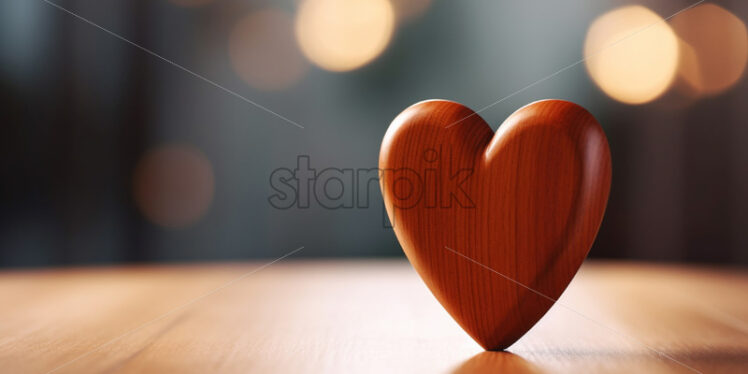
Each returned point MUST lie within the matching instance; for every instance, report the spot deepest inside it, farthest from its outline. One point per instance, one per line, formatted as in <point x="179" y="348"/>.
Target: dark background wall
<point x="80" y="109"/>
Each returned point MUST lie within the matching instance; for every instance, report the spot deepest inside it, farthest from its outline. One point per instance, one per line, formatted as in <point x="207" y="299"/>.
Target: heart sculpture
<point x="495" y="224"/>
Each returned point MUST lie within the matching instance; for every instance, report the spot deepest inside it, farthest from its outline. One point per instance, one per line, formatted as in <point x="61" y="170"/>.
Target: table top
<point x="359" y="316"/>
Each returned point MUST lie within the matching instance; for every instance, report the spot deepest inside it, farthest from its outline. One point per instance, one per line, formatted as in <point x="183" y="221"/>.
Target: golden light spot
<point x="263" y="51"/>
<point x="342" y="35"/>
<point x="406" y="10"/>
<point x="631" y="54"/>
<point x="715" y="45"/>
<point x="173" y="185"/>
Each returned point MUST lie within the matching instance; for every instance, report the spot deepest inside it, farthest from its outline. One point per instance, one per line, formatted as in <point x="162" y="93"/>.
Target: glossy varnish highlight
<point x="496" y="224"/>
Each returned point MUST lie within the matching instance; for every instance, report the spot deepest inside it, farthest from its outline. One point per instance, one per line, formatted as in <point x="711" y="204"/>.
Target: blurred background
<point x="110" y="154"/>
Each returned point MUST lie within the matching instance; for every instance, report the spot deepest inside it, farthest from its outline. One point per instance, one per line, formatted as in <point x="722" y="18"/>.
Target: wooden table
<point x="360" y="316"/>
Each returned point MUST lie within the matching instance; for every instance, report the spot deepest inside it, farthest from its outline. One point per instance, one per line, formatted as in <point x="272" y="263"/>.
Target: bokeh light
<point x="632" y="54"/>
<point x="715" y="48"/>
<point x="173" y="185"/>
<point x="342" y="35"/>
<point x="263" y="51"/>
<point x="406" y="10"/>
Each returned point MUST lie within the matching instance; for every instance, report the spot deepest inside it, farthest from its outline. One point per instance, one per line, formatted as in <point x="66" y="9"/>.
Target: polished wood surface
<point x="368" y="316"/>
<point x="525" y="203"/>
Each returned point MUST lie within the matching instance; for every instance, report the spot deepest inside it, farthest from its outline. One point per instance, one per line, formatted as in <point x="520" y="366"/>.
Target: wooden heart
<point x="495" y="224"/>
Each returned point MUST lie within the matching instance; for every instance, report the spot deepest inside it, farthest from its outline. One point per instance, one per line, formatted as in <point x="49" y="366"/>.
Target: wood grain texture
<point x="526" y="202"/>
<point x="361" y="317"/>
